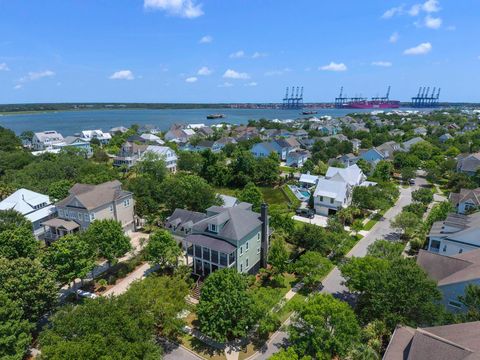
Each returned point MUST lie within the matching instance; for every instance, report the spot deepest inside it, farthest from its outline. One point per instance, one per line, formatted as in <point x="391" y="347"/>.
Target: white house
<point x="164" y="152"/>
<point x="46" y="139"/>
<point x="34" y="206"/>
<point x="335" y="191"/>
<point x="152" y="138"/>
<point x="457" y="234"/>
<point x="307" y="180"/>
<point x="88" y="135"/>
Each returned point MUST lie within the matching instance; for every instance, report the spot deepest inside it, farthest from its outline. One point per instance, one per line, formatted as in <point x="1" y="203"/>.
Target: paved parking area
<point x="318" y="220"/>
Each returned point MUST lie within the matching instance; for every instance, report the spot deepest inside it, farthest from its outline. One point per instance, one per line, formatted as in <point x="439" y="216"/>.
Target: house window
<point x="126" y="202"/>
<point x="444" y="248"/>
<point x="80" y="216"/>
<point x="223" y="259"/>
<point x="60" y="212"/>
<point x="246" y="245"/>
<point x="331" y="200"/>
<point x="92" y="216"/>
<point x="213" y="228"/>
<point x="258" y="237"/>
<point x="198" y="251"/>
<point x="321" y="198"/>
<point x="241" y="250"/>
<point x="111" y="208"/>
<point x="206" y="254"/>
<point x="86" y="217"/>
<point x="241" y="267"/>
<point x="214" y="256"/>
<point x="231" y="258"/>
<point x="246" y="263"/>
<point x="258" y="250"/>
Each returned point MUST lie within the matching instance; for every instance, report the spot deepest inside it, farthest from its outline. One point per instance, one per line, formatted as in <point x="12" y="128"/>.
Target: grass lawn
<point x="273" y="196"/>
<point x="369" y="225"/>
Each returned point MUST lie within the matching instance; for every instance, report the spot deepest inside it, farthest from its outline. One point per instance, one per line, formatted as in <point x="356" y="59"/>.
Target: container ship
<point x="342" y="102"/>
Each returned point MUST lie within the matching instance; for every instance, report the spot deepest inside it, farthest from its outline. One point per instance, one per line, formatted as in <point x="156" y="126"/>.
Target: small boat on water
<point x="309" y="112"/>
<point x="215" y="116"/>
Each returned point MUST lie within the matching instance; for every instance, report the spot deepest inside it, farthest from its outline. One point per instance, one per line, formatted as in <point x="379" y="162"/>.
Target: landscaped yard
<point x="273" y="196"/>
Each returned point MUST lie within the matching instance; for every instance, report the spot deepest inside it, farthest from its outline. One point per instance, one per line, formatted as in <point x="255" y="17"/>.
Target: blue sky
<point x="235" y="50"/>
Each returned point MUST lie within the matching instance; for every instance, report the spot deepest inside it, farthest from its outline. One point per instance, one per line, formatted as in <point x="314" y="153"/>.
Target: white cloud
<point x="423" y="48"/>
<point x="18" y="87"/>
<point x="4" y="67"/>
<point x="183" y="8"/>
<point x="257" y="55"/>
<point x="232" y="74"/>
<point x="226" y="84"/>
<point x="382" y="63"/>
<point x="430" y="6"/>
<point x="122" y="75"/>
<point x="333" y="66"/>
<point x="32" y="76"/>
<point x="394" y="37"/>
<point x="204" y="71"/>
<point x="415" y="10"/>
<point x="238" y="54"/>
<point x="433" y="23"/>
<point x="191" y="79"/>
<point x="277" y="72"/>
<point x="253" y="83"/>
<point x="206" y="39"/>
<point x="392" y="12"/>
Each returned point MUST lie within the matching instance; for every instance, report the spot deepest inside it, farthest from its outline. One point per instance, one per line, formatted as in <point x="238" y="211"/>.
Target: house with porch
<point x="36" y="207"/>
<point x="465" y="201"/>
<point x="76" y="142"/>
<point x="457" y="234"/>
<point x="87" y="203"/>
<point x="234" y="237"/>
<point x="46" y="139"/>
<point x="131" y="152"/>
<point x="89" y="135"/>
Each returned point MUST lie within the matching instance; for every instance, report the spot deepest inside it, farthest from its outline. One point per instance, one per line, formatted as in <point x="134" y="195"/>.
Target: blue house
<point x="372" y="155"/>
<point x="297" y="158"/>
<point x="264" y="149"/>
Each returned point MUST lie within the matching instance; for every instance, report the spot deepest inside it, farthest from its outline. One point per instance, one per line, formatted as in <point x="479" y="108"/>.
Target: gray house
<point x="234" y="237"/>
<point x="468" y="163"/>
<point x="452" y="274"/>
<point x="466" y="200"/>
<point x="87" y="203"/>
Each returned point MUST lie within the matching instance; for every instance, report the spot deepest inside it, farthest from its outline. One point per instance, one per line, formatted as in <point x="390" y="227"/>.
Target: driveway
<point x="333" y="283"/>
<point x="318" y="220"/>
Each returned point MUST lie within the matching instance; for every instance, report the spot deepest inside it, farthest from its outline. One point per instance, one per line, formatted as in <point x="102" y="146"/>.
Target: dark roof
<point x="211" y="243"/>
<point x="464" y="195"/>
<point x="449" y="342"/>
<point x="181" y="216"/>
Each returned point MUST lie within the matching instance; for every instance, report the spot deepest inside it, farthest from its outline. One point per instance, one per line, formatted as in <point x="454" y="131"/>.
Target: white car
<point x="86" y="294"/>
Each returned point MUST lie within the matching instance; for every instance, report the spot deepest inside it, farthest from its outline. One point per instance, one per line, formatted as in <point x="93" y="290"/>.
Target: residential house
<point x="470" y="127"/>
<point x="87" y="203"/>
<point x="407" y="145"/>
<point x="118" y="130"/>
<point x="178" y="134"/>
<point x="457" y="234"/>
<point x="130" y="153"/>
<point x="447" y="342"/>
<point x="445" y="137"/>
<point x="468" y="163"/>
<point x="346" y="159"/>
<point x="301" y="134"/>
<point x="205" y="131"/>
<point x="297" y="158"/>
<point x="466" y="200"/>
<point x="263" y="149"/>
<point x="452" y="274"/>
<point x="420" y="131"/>
<point x="307" y="181"/>
<point x="46" y="139"/>
<point x="76" y="143"/>
<point x="381" y="152"/>
<point x="34" y="206"/>
<point x="234" y="237"/>
<point x="356" y="144"/>
<point x="213" y="146"/>
<point x="152" y="138"/>
<point x="89" y="135"/>
<point x="334" y="192"/>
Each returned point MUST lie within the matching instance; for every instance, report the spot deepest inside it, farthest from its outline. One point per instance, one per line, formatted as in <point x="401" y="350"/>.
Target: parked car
<point x="304" y="212"/>
<point x="411" y="181"/>
<point x="86" y="294"/>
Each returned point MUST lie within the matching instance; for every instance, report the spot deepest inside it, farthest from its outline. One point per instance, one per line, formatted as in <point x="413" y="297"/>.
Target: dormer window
<point x="213" y="228"/>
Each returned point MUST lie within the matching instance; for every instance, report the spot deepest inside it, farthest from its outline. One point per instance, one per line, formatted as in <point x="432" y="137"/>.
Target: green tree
<point x="189" y="192"/>
<point x="407" y="222"/>
<point x="225" y="309"/>
<point x="425" y="196"/>
<point x="151" y="165"/>
<point x="251" y="194"/>
<point x="190" y="161"/>
<point x="364" y="165"/>
<point x="15" y="335"/>
<point x="25" y="281"/>
<point x="471" y="300"/>
<point x="383" y="171"/>
<point x="12" y="219"/>
<point x="59" y="189"/>
<point x="384" y="249"/>
<point x="287" y="354"/>
<point x="278" y="254"/>
<point x="69" y="258"/>
<point x="312" y="267"/>
<point x="267" y="170"/>
<point x="162" y="249"/>
<point x="408" y="173"/>
<point x="324" y="328"/>
<point x="18" y="242"/>
<point x="398" y="291"/>
<point x="108" y="238"/>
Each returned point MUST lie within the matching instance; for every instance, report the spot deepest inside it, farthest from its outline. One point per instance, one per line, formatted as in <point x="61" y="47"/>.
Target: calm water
<point x="71" y="122"/>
